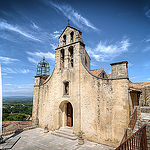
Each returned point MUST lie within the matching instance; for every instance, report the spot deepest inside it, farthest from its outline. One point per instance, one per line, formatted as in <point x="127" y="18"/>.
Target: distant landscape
<point x="17" y="108"/>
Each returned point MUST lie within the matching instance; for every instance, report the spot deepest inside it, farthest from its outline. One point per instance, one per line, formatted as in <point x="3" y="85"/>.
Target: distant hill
<point x="14" y="99"/>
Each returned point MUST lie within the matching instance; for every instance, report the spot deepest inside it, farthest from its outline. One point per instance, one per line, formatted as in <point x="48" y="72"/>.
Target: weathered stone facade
<point x="101" y="105"/>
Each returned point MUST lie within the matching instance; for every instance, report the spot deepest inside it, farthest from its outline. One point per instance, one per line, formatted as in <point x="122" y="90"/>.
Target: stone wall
<point x="106" y="102"/>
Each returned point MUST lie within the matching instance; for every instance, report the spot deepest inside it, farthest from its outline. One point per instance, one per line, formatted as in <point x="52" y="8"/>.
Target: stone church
<point x="91" y="101"/>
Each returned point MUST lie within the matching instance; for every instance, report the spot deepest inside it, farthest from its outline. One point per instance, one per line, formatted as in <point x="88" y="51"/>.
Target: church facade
<point x="90" y="101"/>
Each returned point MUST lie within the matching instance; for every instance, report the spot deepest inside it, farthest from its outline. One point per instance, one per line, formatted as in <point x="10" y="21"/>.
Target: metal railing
<point x="138" y="141"/>
<point x="131" y="125"/>
<point x="133" y="119"/>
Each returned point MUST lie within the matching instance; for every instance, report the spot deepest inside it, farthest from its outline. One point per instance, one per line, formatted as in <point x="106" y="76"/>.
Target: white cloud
<point x="7" y="60"/>
<point x="55" y="35"/>
<point x="147" y="40"/>
<point x="146" y="49"/>
<point x="53" y="45"/>
<point x="6" y="26"/>
<point x="47" y="55"/>
<point x="56" y="32"/>
<point x="8" y="84"/>
<point x="106" y="52"/>
<point x="32" y="60"/>
<point x="25" y="86"/>
<point x="8" y="77"/>
<point x="34" y="25"/>
<point x="73" y="15"/>
<point x="24" y="71"/>
<point x="8" y="70"/>
<point x="132" y="77"/>
<point x="147" y="13"/>
<point x="148" y="78"/>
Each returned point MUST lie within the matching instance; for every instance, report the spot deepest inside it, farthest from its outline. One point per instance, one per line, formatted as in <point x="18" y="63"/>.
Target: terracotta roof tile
<point x="96" y="72"/>
<point x="108" y="75"/>
<point x="138" y="86"/>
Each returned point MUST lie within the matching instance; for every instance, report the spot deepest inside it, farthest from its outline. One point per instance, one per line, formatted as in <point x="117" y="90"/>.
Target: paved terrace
<point x="36" y="139"/>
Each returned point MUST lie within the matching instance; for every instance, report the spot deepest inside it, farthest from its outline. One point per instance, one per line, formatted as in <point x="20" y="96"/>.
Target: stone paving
<point x="36" y="139"/>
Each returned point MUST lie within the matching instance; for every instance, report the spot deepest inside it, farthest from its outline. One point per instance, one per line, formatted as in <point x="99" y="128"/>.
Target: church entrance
<point x="69" y="115"/>
<point x="65" y="114"/>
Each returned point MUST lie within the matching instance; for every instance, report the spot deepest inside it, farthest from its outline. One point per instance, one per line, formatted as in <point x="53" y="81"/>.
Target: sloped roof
<point x="96" y="72"/>
<point x="138" y="86"/>
<point x="108" y="75"/>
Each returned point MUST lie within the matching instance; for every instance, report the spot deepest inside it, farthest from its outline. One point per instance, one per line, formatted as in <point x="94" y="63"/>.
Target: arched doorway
<point x="65" y="114"/>
<point x="69" y="115"/>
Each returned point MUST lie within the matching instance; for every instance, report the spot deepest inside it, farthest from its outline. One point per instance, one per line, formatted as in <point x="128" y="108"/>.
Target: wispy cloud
<point x="146" y="49"/>
<point x="32" y="60"/>
<point x="34" y="57"/>
<point x="25" y="86"/>
<point x="55" y="34"/>
<point x="34" y="26"/>
<point x="8" y="84"/>
<point x="72" y="15"/>
<point x="8" y="77"/>
<point x="107" y="51"/>
<point x="14" y="28"/>
<point x="147" y="13"/>
<point x="47" y="55"/>
<point x="7" y="60"/>
<point x="8" y="70"/>
<point x="24" y="71"/>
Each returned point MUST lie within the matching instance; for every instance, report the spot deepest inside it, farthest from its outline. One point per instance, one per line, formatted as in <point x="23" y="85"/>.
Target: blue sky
<point x="112" y="30"/>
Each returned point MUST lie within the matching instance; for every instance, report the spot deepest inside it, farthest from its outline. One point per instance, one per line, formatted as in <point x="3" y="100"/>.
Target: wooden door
<point x="69" y="115"/>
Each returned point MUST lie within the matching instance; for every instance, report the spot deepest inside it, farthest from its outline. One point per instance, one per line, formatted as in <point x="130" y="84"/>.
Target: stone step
<point x="66" y="133"/>
<point x="66" y="129"/>
<point x="135" y="127"/>
<point x="63" y="132"/>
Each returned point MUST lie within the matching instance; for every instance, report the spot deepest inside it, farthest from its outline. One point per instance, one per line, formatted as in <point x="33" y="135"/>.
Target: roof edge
<point x="122" y="62"/>
<point x="68" y="25"/>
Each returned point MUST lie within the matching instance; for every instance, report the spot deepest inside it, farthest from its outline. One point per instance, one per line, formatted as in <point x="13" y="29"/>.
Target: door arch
<point x="65" y="114"/>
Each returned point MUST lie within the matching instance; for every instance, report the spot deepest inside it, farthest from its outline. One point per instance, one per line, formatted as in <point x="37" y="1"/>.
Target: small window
<point x="66" y="88"/>
<point x="64" y="39"/>
<point x="62" y="57"/>
<point x="72" y="37"/>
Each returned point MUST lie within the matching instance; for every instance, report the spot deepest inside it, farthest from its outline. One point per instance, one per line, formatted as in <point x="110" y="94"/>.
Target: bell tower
<point x="69" y="48"/>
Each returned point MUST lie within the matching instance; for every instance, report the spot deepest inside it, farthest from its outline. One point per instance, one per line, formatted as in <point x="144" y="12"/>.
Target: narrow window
<point x="62" y="57"/>
<point x="71" y="56"/>
<point x="66" y="88"/>
<point x="64" y="39"/>
<point x="72" y="37"/>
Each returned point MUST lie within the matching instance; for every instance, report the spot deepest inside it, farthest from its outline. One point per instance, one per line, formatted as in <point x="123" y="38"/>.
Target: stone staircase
<point x="144" y="118"/>
<point x="66" y="132"/>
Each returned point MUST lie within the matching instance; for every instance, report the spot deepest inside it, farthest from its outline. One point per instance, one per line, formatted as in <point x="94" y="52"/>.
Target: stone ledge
<point x="12" y="132"/>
